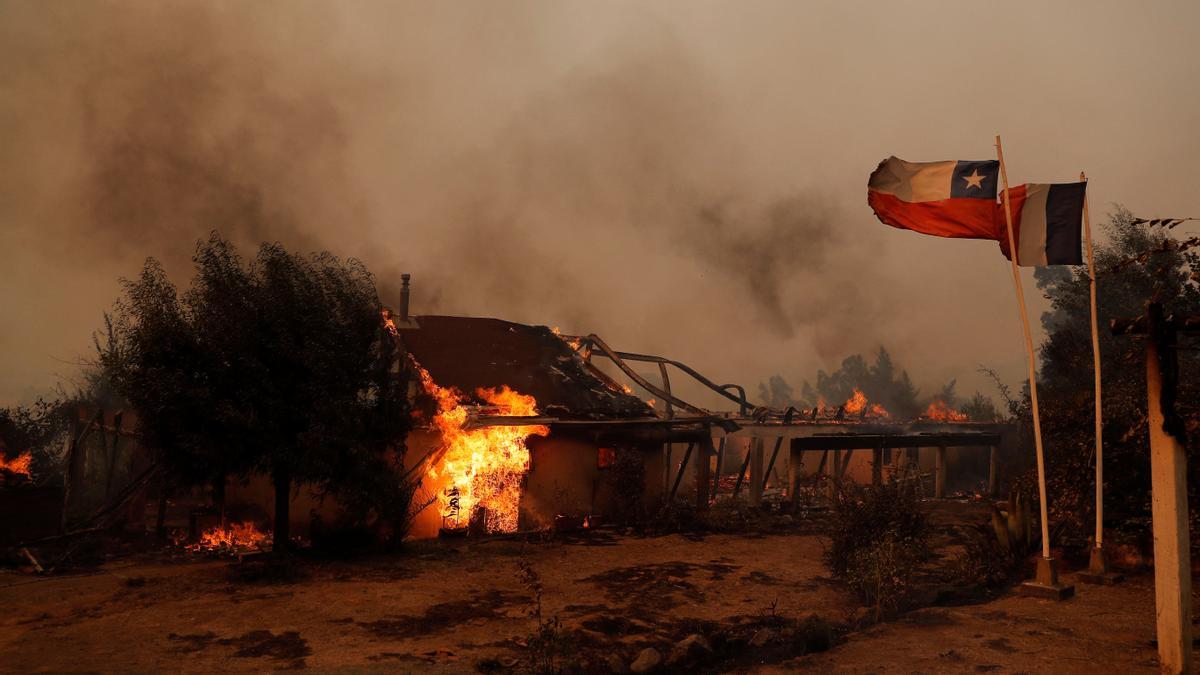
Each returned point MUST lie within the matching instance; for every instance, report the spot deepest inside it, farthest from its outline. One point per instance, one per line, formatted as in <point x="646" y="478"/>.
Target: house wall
<point x="564" y="478"/>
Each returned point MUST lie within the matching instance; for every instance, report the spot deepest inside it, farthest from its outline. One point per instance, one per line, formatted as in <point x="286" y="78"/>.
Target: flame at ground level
<point x="232" y="537"/>
<point x="21" y="465"/>
<point x="481" y="467"/>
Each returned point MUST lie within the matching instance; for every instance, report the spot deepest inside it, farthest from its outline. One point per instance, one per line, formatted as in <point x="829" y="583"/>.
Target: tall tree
<point x="1136" y="264"/>
<point x="280" y="366"/>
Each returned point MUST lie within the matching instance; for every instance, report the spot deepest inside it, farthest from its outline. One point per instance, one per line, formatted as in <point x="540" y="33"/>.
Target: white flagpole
<point x="1087" y="238"/>
<point x="1037" y="423"/>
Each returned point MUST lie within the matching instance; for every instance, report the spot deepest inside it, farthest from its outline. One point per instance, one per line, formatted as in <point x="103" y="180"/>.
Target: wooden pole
<point x="756" y="471"/>
<point x="1169" y="503"/>
<point x="1037" y="422"/>
<point x="1087" y="238"/>
<point x="703" y="478"/>
<point x="716" y="482"/>
<point x="939" y="471"/>
<point x="993" y="465"/>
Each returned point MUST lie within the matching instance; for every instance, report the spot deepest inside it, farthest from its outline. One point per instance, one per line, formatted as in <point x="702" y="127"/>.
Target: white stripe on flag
<point x="1031" y="250"/>
<point x="913" y="181"/>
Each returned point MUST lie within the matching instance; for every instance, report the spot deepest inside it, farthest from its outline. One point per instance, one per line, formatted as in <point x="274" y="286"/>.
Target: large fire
<point x="857" y="404"/>
<point x="481" y="467"/>
<point x="940" y="411"/>
<point x="20" y="466"/>
<point x="232" y="538"/>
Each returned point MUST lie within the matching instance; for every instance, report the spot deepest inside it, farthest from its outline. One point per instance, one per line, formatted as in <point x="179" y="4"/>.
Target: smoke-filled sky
<point x="685" y="178"/>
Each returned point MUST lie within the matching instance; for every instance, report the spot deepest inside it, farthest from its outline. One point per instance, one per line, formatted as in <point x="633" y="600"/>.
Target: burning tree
<point x="281" y="366"/>
<point x="25" y="432"/>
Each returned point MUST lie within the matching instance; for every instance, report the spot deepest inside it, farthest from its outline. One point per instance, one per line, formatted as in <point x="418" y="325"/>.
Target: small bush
<point x="995" y="552"/>
<point x="551" y="648"/>
<point x="878" y="536"/>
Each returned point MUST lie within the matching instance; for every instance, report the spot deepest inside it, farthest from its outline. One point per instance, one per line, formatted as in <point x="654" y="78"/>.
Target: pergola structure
<point x="836" y="435"/>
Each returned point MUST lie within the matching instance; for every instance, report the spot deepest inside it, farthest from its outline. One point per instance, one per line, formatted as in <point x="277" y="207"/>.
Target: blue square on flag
<point x="976" y="180"/>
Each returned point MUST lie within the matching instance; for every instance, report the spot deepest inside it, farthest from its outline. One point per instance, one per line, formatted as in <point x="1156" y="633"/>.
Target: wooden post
<point x="1037" y="421"/>
<point x="993" y="470"/>
<point x="716" y="480"/>
<point x="939" y="472"/>
<point x="1169" y="503"/>
<point x="877" y="466"/>
<point x="756" y="472"/>
<point x="667" y="468"/>
<point x="1098" y="567"/>
<point x="834" y="473"/>
<point x="703" y="471"/>
<point x="795" y="471"/>
<point x="687" y="455"/>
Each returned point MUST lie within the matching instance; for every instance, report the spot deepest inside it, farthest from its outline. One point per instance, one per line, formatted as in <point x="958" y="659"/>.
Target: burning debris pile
<point x="232" y="539"/>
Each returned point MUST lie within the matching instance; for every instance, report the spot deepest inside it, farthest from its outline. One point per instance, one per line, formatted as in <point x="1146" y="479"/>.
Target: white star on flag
<point x="974" y="180"/>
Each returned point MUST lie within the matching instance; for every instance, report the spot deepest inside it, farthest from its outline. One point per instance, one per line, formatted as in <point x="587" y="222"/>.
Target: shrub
<point x="996" y="551"/>
<point x="551" y="650"/>
<point x="878" y="536"/>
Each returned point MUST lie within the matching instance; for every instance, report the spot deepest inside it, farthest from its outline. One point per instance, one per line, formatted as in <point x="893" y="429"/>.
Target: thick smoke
<point x="683" y="180"/>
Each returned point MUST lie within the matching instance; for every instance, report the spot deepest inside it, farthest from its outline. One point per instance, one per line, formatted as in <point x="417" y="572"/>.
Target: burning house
<point x="517" y="427"/>
<point x="522" y="431"/>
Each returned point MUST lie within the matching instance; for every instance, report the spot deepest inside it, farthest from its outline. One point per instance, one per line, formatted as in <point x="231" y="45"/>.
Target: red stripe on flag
<point x="958" y="218"/>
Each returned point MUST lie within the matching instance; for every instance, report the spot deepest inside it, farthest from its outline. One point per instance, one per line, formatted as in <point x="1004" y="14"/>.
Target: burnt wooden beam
<point x="687" y="455"/>
<point x="702" y="473"/>
<point x="716" y="482"/>
<point x="872" y="441"/>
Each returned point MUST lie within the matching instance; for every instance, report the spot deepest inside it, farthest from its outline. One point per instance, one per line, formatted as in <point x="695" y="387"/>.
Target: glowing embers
<point x="17" y="468"/>
<point x="233" y="538"/>
<point x="480" y="469"/>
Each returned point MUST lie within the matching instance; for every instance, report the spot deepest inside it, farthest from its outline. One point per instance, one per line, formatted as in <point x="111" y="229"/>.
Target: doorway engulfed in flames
<point x="482" y="468"/>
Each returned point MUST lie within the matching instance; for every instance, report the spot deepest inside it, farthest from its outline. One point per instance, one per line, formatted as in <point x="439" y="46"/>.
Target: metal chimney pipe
<point x="404" y="296"/>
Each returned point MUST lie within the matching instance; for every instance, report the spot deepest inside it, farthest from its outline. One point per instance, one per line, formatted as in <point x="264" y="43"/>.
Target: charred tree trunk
<point x="283" y="502"/>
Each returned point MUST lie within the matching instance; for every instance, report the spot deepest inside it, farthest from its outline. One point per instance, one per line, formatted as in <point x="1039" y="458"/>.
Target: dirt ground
<point x="460" y="607"/>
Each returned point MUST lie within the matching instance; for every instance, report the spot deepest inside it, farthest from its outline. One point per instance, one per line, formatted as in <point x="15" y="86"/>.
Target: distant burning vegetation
<point x="875" y="391"/>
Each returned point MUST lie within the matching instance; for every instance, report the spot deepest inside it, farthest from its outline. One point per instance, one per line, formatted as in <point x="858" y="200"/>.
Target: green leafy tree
<point x="280" y="366"/>
<point x="1136" y="264"/>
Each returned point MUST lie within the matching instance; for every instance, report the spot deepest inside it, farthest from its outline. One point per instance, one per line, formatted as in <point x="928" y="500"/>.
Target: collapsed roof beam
<point x="586" y="345"/>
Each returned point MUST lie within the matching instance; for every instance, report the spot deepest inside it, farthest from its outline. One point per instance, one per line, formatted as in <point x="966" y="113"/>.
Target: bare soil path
<point x="460" y="607"/>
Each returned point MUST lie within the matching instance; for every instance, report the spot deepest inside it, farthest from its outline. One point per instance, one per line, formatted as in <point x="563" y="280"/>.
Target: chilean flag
<point x="945" y="199"/>
<point x="1047" y="218"/>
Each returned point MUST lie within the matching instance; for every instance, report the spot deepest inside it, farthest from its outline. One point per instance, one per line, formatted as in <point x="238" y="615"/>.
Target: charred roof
<point x="469" y="353"/>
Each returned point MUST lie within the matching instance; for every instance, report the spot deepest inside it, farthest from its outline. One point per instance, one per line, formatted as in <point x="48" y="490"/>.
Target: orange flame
<point x="856" y="403"/>
<point x="484" y="466"/>
<point x="19" y="466"/>
<point x="233" y="537"/>
<point x="938" y="410"/>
